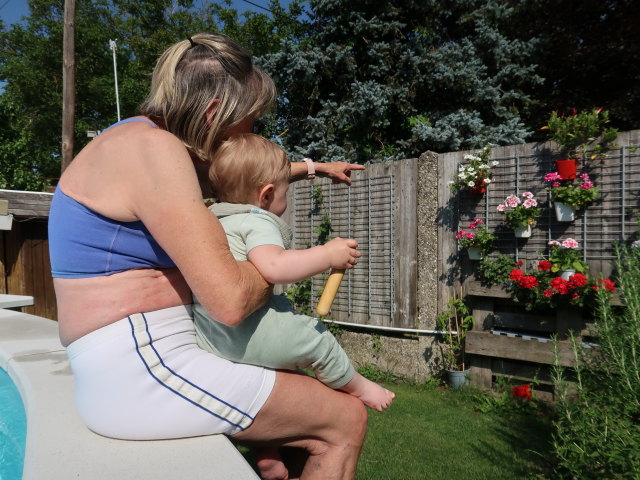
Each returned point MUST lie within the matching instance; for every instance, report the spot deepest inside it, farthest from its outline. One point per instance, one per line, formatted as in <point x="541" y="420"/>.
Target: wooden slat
<point x="500" y="346"/>
<point x="405" y="240"/>
<point x="27" y="204"/>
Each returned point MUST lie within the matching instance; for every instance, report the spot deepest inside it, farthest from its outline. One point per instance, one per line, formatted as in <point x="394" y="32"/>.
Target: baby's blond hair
<point x="244" y="164"/>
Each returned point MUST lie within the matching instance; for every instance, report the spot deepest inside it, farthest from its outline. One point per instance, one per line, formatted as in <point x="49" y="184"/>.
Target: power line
<point x="250" y="3"/>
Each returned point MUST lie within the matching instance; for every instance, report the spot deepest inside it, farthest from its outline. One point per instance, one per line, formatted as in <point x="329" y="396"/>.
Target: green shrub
<point x="597" y="430"/>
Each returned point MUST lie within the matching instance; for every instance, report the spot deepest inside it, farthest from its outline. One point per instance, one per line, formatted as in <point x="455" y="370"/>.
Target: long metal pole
<point x="112" y="45"/>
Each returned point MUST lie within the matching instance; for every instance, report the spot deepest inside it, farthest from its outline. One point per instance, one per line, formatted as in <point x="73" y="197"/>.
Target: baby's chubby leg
<point x="371" y="394"/>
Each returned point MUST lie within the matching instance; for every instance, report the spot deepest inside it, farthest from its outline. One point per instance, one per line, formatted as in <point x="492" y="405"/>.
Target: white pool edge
<point x="58" y="444"/>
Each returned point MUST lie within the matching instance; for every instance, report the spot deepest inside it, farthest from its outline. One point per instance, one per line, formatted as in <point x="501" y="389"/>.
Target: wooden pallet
<point x="507" y="341"/>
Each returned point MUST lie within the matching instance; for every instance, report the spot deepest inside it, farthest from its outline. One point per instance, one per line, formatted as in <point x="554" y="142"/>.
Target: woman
<point x="130" y="240"/>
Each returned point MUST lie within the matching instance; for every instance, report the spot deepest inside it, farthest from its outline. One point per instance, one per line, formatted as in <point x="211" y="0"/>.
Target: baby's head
<point x="243" y="168"/>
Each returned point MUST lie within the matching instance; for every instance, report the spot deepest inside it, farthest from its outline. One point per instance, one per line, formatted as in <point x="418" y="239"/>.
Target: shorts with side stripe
<point x="144" y="377"/>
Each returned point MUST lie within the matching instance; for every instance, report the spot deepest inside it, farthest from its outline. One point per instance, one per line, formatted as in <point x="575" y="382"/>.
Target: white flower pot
<point x="522" y="232"/>
<point x="564" y="212"/>
<point x="474" y="253"/>
<point x="567" y="274"/>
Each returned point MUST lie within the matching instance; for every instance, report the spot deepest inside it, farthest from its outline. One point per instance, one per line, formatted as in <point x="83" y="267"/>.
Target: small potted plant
<point x="476" y="239"/>
<point x="579" y="134"/>
<point x="474" y="175"/>
<point x="520" y="213"/>
<point x="454" y="324"/>
<point x="570" y="195"/>
<point x="565" y="258"/>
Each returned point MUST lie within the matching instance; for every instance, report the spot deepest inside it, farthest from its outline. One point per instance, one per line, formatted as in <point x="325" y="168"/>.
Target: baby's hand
<point x="342" y="252"/>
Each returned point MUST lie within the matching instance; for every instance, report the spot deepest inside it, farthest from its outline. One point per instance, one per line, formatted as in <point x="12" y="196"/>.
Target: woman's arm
<point x="164" y="193"/>
<point x="278" y="265"/>
<point x="339" y="172"/>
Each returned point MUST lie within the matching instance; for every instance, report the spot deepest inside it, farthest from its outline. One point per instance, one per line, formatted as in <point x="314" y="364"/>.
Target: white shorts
<point x="144" y="377"/>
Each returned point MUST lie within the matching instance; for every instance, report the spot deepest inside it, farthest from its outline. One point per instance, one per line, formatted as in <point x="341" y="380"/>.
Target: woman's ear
<point x="265" y="196"/>
<point x="211" y="109"/>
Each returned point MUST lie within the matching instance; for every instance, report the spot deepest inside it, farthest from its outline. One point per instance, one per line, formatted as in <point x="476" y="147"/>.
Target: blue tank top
<point x="83" y="243"/>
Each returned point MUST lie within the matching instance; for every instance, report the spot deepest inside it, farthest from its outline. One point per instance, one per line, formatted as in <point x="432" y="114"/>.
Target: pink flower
<point x="512" y="201"/>
<point x="470" y="235"/>
<point x="475" y="223"/>
<point x="584" y="176"/>
<point x="527" y="195"/>
<point x="554" y="243"/>
<point x="555" y="184"/>
<point x="502" y="207"/>
<point x="461" y="233"/>
<point x="552" y="177"/>
<point x="570" y="243"/>
<point x="530" y="203"/>
<point x="587" y="185"/>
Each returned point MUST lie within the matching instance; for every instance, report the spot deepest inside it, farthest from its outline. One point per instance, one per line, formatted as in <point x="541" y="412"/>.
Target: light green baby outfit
<point x="274" y="336"/>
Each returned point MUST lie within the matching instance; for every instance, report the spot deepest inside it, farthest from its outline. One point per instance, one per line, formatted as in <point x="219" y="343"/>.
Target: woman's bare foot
<point x="371" y="394"/>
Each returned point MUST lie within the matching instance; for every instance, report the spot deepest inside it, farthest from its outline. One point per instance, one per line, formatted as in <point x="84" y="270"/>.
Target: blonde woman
<point x="131" y="241"/>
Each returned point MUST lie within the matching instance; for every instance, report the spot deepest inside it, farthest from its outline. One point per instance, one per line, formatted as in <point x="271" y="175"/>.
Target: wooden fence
<point x="24" y="252"/>
<point x="379" y="211"/>
<point x="507" y="341"/>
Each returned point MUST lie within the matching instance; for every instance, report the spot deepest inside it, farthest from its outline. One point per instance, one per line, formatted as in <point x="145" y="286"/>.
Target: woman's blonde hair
<point x="244" y="164"/>
<point x="192" y="73"/>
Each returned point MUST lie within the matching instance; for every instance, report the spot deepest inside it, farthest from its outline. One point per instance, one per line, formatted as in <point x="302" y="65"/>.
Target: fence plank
<point x="406" y="245"/>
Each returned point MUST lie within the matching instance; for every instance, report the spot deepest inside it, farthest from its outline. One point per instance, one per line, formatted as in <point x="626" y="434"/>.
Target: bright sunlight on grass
<point x="438" y="434"/>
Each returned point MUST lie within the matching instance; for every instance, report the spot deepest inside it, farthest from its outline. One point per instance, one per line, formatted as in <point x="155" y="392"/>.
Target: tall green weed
<point x="597" y="430"/>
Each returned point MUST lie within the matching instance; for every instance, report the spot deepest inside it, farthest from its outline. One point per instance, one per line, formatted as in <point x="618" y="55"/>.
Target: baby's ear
<point x="265" y="197"/>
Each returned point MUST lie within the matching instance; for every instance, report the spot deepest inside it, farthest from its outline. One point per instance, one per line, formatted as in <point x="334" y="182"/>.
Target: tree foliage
<point x="361" y="80"/>
<point x="380" y="80"/>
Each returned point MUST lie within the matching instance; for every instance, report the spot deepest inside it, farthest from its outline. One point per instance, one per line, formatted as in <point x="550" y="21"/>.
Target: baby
<point x="250" y="177"/>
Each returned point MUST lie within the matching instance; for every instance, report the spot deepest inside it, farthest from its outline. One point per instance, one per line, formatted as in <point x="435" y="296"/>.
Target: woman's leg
<point x="302" y="412"/>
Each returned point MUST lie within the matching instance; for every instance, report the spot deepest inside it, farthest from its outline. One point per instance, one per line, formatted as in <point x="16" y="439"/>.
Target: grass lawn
<point x="437" y="434"/>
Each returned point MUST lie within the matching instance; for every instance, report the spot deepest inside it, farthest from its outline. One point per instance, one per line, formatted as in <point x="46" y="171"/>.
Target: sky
<point x="11" y="11"/>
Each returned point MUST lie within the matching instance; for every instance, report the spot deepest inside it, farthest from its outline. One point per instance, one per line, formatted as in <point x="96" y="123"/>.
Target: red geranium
<point x="560" y="285"/>
<point x="544" y="265"/>
<point x="605" y="283"/>
<point x="577" y="280"/>
<point x="521" y="391"/>
<point x="516" y="274"/>
<point x="528" y="281"/>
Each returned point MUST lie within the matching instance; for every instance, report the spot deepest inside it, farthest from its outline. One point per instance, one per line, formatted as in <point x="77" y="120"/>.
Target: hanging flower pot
<point x="567" y="274"/>
<point x="522" y="231"/>
<point x="479" y="188"/>
<point x="564" y="212"/>
<point x="474" y="253"/>
<point x="566" y="168"/>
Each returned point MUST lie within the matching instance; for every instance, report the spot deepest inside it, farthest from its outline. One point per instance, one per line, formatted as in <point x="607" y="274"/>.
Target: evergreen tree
<point x="379" y="80"/>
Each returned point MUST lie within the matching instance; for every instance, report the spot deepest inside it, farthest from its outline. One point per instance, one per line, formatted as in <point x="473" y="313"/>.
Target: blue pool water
<point x="13" y="429"/>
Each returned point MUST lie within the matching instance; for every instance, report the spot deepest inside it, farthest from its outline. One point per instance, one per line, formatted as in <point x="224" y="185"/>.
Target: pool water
<point x="13" y="429"/>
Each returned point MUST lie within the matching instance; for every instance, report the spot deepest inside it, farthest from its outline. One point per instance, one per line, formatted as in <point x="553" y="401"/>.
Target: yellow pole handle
<point x="329" y="292"/>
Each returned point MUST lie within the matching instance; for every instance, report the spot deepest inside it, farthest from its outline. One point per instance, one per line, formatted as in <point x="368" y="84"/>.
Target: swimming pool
<point x="13" y="429"/>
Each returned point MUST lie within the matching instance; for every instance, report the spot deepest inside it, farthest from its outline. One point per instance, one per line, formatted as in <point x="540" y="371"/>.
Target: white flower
<point x="483" y="166"/>
<point x="487" y="181"/>
<point x="462" y="176"/>
<point x="468" y="157"/>
<point x="451" y="182"/>
<point x="494" y="163"/>
<point x="472" y="184"/>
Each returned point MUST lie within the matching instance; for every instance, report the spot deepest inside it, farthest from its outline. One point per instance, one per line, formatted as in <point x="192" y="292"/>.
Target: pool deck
<point x="60" y="446"/>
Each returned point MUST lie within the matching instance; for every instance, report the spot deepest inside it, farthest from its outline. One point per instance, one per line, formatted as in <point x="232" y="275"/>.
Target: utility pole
<point x="112" y="46"/>
<point x="68" y="83"/>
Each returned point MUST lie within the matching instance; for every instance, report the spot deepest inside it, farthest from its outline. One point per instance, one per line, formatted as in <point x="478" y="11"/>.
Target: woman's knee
<point x="354" y="422"/>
